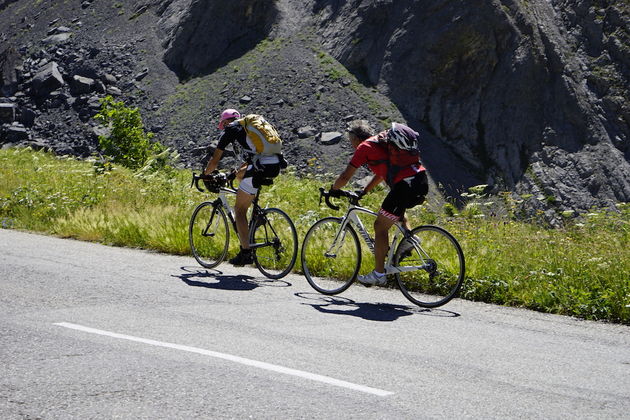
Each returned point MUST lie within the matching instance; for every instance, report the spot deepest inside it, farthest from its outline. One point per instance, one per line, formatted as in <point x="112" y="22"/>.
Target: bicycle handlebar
<point x="352" y="197"/>
<point x="220" y="179"/>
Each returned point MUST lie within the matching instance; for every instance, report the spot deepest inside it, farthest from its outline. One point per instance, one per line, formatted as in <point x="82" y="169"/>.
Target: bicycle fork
<point x="209" y="225"/>
<point x="340" y="237"/>
<point x="427" y="265"/>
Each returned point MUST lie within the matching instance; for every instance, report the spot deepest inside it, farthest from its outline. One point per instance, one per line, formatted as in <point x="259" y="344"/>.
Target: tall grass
<point x="581" y="270"/>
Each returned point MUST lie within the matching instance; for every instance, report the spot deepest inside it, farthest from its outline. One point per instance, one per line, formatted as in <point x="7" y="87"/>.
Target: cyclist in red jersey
<point x="408" y="185"/>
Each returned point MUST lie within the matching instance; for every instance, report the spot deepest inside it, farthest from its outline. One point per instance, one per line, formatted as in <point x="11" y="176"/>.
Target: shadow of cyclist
<point x="370" y="311"/>
<point x="215" y="279"/>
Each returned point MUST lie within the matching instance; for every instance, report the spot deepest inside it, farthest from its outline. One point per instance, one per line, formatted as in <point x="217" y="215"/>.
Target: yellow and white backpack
<point x="261" y="134"/>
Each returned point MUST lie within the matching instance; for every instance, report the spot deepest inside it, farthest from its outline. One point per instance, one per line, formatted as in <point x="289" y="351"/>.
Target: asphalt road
<point x="89" y="331"/>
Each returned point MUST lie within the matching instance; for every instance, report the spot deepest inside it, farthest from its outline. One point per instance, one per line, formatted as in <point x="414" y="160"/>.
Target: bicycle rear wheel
<point x="442" y="267"/>
<point x="208" y="234"/>
<point x="275" y="243"/>
<point x="330" y="267"/>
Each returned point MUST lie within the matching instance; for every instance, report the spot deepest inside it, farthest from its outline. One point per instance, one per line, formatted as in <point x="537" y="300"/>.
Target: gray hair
<point x="361" y="129"/>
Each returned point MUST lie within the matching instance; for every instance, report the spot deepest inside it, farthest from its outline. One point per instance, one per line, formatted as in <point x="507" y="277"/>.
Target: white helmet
<point x="402" y="136"/>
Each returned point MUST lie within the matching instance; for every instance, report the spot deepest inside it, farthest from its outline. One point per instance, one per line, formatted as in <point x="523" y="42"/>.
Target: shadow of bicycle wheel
<point x="215" y="279"/>
<point x="384" y="312"/>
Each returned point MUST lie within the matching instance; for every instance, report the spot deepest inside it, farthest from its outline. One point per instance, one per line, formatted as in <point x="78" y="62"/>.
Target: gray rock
<point x="57" y="38"/>
<point x="47" y="80"/>
<point x="141" y="75"/>
<point x="27" y="117"/>
<point x="330" y="138"/>
<point x="59" y="30"/>
<point x="109" y="79"/>
<point x="94" y="103"/>
<point x="37" y="144"/>
<point x="7" y="112"/>
<point x="15" y="133"/>
<point x="114" y="91"/>
<point x="304" y="132"/>
<point x="80" y="85"/>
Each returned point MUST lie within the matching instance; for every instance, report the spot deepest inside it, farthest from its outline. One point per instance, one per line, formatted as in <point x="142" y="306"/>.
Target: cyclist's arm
<point x="377" y="179"/>
<point x="345" y="176"/>
<point x="228" y="136"/>
<point x="214" y="162"/>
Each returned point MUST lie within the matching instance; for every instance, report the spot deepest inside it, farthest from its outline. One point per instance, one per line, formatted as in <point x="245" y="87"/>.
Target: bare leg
<point x="381" y="232"/>
<point x="243" y="201"/>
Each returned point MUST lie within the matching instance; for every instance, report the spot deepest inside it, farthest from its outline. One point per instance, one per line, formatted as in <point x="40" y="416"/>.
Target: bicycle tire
<point x="333" y="273"/>
<point x="274" y="227"/>
<point x="209" y="234"/>
<point x="445" y="266"/>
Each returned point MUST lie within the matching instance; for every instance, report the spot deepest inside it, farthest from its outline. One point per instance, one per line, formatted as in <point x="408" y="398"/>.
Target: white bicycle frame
<point x="352" y="217"/>
<point x="224" y="200"/>
<point x="222" y="196"/>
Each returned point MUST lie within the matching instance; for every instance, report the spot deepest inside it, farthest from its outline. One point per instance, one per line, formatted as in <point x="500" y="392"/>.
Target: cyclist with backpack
<point x="260" y="147"/>
<point x="393" y="157"/>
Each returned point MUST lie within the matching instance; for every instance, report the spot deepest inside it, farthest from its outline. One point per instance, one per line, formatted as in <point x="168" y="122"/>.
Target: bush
<point x="127" y="143"/>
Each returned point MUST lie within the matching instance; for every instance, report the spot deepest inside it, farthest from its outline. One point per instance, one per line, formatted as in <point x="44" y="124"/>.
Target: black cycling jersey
<point x="231" y="133"/>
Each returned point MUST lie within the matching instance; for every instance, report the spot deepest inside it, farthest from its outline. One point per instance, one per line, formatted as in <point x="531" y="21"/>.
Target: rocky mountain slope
<point x="529" y="96"/>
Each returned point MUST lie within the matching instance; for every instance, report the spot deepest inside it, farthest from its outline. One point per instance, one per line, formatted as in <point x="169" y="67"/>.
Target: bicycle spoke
<point x="274" y="241"/>
<point x="330" y="259"/>
<point x="208" y="235"/>
<point x="440" y="263"/>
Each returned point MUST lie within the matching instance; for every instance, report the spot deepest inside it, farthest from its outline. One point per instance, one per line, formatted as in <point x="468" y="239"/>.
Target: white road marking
<point x="231" y="358"/>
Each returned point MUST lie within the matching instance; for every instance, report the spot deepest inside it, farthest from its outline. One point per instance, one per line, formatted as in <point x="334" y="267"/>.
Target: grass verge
<point x="581" y="270"/>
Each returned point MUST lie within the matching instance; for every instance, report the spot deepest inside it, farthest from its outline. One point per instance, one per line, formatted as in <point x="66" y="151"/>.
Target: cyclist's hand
<point x="205" y="175"/>
<point x="334" y="193"/>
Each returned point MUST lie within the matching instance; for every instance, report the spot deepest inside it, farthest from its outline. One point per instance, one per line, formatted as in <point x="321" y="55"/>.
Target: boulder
<point x="141" y="75"/>
<point x="27" y="117"/>
<point x="47" y="80"/>
<point x="330" y="138"/>
<point x="304" y="132"/>
<point x="57" y="38"/>
<point x="80" y="85"/>
<point x="15" y="133"/>
<point x="109" y="79"/>
<point x="59" y="30"/>
<point x="7" y="112"/>
<point x="114" y="91"/>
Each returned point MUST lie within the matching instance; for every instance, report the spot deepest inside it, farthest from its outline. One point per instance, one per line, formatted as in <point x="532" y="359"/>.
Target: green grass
<point x="581" y="270"/>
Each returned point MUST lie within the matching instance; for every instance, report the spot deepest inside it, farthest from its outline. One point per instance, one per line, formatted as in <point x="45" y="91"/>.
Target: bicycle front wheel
<point x="209" y="235"/>
<point x="330" y="257"/>
<point x="275" y="243"/>
<point x="436" y="267"/>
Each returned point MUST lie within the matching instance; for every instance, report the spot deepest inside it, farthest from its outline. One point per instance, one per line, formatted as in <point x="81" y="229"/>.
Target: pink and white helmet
<point x="226" y="115"/>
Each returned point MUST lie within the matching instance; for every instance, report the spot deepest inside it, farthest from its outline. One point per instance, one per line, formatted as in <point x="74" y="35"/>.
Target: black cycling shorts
<point x="405" y="194"/>
<point x="256" y="176"/>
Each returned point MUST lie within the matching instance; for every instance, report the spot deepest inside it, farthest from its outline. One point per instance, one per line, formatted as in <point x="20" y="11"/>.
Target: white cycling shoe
<point x="372" y="279"/>
<point x="407" y="244"/>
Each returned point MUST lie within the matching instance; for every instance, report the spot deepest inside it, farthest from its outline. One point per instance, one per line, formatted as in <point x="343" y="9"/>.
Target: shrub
<point x="127" y="143"/>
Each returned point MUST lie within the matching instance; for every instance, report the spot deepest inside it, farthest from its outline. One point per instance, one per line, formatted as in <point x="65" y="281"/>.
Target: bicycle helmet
<point x="402" y="136"/>
<point x="226" y="115"/>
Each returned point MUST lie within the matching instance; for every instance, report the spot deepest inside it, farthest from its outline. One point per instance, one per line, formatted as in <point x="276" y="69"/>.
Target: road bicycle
<point x="427" y="262"/>
<point x="272" y="235"/>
